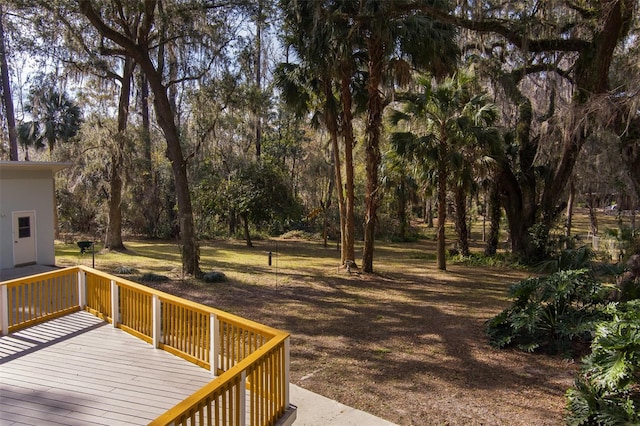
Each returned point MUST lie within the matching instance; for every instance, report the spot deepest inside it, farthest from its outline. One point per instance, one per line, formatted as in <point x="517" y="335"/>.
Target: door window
<point x="24" y="227"/>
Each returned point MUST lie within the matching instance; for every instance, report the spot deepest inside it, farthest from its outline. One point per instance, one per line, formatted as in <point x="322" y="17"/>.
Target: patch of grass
<point x="141" y="255"/>
<point x="364" y="331"/>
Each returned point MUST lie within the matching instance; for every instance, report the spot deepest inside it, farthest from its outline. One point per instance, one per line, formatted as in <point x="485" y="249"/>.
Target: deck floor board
<point x="79" y="370"/>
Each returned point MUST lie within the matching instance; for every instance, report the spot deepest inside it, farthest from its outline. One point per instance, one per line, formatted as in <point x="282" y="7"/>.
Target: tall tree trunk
<point x="326" y="205"/>
<point x="150" y="197"/>
<point x="233" y="222"/>
<point x="442" y="205"/>
<point x="372" y="148"/>
<point x="519" y="210"/>
<point x="593" y="220"/>
<point x="402" y="210"/>
<point x="164" y="114"/>
<point x="349" y="141"/>
<point x="494" y="220"/>
<point x="429" y="213"/>
<point x="114" y="231"/>
<point x="113" y="239"/>
<point x="461" y="220"/>
<point x="572" y="192"/>
<point x="630" y="149"/>
<point x="146" y="125"/>
<point x="258" y="65"/>
<point x="139" y="51"/>
<point x="520" y="195"/>
<point x="247" y="234"/>
<point x="6" y="94"/>
<point x="331" y="121"/>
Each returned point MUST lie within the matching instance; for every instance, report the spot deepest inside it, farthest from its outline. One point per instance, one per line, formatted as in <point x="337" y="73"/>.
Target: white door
<point x="24" y="238"/>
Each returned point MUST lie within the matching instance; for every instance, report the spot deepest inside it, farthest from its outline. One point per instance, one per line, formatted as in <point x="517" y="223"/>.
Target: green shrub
<point x="300" y="235"/>
<point x="555" y="314"/>
<point x="607" y="390"/>
<point x="479" y="259"/>
<point x="214" y="277"/>
<point x="125" y="270"/>
<point x="153" y="277"/>
<point x="576" y="258"/>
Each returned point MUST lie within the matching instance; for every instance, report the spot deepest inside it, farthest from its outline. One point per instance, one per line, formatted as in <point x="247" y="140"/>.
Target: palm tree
<point x="29" y="135"/>
<point x="455" y="122"/>
<point x="395" y="36"/>
<point x="320" y="33"/>
<point x="56" y="118"/>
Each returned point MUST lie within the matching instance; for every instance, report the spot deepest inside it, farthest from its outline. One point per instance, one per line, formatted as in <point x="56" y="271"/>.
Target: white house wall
<point x="27" y="190"/>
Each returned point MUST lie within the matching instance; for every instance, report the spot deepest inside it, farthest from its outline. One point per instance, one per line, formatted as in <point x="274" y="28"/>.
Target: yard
<point x="405" y="344"/>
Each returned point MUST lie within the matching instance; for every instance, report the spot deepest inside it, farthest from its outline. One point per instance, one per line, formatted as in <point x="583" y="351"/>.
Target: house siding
<point x="25" y="189"/>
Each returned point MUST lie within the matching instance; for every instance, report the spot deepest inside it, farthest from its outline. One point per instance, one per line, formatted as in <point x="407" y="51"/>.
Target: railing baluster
<point x="214" y="341"/>
<point x="115" y="308"/>
<point x="287" y="372"/>
<point x="4" y="310"/>
<point x="242" y="399"/>
<point x="157" y="321"/>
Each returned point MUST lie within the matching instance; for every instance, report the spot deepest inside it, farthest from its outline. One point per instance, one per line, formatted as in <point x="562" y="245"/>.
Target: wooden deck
<point x="79" y="370"/>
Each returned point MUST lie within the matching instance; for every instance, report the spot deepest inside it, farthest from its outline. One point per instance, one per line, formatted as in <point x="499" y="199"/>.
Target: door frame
<point x="34" y="235"/>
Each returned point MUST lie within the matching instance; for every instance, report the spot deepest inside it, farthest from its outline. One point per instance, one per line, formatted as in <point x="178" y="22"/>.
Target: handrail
<point x="38" y="298"/>
<point x="246" y="355"/>
<point x="194" y="405"/>
<point x="255" y="326"/>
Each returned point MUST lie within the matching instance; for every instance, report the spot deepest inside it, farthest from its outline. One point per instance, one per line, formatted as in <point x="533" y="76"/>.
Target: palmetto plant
<point x="578" y="258"/>
<point x="550" y="313"/>
<point x="607" y="391"/>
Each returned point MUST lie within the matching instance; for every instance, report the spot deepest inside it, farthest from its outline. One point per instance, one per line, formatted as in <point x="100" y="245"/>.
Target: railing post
<point x="82" y="289"/>
<point x="115" y="306"/>
<point x="4" y="310"/>
<point x="287" y="373"/>
<point x="214" y="350"/>
<point x="156" y="321"/>
<point x="242" y="421"/>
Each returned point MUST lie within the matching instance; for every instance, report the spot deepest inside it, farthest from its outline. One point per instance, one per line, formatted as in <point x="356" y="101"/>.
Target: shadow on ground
<point x="405" y="344"/>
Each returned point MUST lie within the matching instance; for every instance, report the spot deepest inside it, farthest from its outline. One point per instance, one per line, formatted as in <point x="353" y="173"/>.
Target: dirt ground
<point x="405" y="344"/>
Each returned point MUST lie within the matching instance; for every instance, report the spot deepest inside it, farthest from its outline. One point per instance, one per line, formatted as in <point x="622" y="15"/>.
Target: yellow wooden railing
<point x="39" y="298"/>
<point x="250" y="360"/>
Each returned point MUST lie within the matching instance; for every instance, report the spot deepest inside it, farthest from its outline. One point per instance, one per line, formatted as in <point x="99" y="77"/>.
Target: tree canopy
<point x="221" y="114"/>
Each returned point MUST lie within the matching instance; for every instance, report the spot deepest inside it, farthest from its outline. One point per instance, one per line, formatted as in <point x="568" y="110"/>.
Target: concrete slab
<point x="24" y="271"/>
<point x="317" y="410"/>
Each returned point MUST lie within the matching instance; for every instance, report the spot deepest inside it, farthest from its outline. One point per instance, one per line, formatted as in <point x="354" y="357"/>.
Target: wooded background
<point x="190" y="120"/>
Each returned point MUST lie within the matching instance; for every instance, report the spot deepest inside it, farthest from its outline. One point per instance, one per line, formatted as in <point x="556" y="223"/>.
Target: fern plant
<point x="549" y="313"/>
<point x="607" y="390"/>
